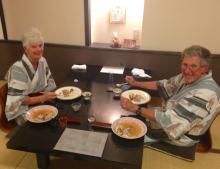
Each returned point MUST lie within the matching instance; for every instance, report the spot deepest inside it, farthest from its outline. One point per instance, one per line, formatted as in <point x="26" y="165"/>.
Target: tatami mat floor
<point x="11" y="159"/>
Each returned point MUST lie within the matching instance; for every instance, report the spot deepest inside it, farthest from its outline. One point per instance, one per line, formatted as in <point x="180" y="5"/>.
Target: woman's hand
<point x="45" y="96"/>
<point x="128" y="105"/>
<point x="48" y="96"/>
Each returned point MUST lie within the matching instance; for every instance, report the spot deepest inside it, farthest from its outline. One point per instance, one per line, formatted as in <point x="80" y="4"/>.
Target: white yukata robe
<point x="23" y="80"/>
<point x="189" y="110"/>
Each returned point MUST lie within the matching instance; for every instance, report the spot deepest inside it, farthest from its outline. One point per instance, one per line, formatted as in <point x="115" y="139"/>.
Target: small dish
<point x="117" y="92"/>
<point x="76" y="106"/>
<point x="91" y="119"/>
<point x="87" y="95"/>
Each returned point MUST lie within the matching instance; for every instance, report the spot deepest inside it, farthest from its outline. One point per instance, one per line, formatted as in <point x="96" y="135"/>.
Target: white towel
<point x="79" y="67"/>
<point x="113" y="70"/>
<point x="139" y="72"/>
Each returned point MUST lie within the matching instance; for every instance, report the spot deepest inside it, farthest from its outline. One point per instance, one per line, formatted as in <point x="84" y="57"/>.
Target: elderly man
<point x="192" y="99"/>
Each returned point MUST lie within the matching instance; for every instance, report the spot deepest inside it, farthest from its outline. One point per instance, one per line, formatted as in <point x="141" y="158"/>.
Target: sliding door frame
<point x="5" y="34"/>
<point x="87" y="22"/>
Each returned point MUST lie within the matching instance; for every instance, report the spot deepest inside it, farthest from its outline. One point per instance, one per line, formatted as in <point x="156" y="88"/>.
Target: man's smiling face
<point x="192" y="69"/>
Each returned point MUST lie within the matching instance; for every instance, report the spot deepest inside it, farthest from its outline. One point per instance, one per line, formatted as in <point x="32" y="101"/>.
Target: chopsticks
<point x="65" y="120"/>
<point x="101" y="125"/>
<point x="120" y="84"/>
<point x="69" y="119"/>
<point x="30" y="94"/>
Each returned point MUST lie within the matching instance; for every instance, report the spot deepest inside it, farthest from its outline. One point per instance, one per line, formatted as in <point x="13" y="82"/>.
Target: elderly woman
<point x="27" y="76"/>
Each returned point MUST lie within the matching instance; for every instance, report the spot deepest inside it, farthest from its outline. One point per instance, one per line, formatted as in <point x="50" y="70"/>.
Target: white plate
<point x="74" y="92"/>
<point x="41" y="114"/>
<point x="129" y="128"/>
<point x="144" y="97"/>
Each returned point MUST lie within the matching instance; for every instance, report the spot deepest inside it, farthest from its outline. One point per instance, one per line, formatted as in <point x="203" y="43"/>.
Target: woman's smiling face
<point x="34" y="51"/>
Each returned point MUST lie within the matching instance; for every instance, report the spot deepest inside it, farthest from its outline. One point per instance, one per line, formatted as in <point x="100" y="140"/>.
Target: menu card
<point x="82" y="142"/>
<point x="113" y="70"/>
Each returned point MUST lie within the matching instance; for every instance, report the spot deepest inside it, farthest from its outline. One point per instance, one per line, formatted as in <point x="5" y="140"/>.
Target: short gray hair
<point x="32" y="36"/>
<point x="200" y="51"/>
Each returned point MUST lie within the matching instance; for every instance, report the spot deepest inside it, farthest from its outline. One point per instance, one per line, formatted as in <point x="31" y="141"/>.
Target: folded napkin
<point x="79" y="67"/>
<point x="113" y="70"/>
<point x="140" y="73"/>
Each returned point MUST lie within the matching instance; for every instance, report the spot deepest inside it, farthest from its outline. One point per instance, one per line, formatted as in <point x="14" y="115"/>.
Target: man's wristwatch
<point x="138" y="111"/>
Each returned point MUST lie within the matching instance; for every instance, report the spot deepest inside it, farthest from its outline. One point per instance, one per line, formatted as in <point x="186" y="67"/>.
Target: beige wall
<point x="169" y="25"/>
<point x="60" y="21"/>
<point x="175" y="24"/>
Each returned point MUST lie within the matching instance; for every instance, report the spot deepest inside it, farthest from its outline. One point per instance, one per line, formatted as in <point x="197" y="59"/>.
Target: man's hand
<point x="130" y="80"/>
<point x="128" y="105"/>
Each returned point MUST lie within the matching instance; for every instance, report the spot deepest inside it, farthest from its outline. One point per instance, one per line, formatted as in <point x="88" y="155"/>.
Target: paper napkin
<point x="140" y="73"/>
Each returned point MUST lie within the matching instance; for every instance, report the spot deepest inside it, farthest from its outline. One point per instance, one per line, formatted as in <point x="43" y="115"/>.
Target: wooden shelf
<point x="109" y="46"/>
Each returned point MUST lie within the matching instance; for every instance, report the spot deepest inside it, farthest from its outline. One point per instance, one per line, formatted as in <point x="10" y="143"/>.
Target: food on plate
<point x="67" y="92"/>
<point x="42" y="114"/>
<point x="136" y="97"/>
<point x="128" y="129"/>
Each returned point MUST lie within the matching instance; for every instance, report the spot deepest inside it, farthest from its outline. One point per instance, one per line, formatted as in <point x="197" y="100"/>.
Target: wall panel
<point x="169" y="25"/>
<point x="61" y="57"/>
<point x="172" y="25"/>
<point x="60" y="21"/>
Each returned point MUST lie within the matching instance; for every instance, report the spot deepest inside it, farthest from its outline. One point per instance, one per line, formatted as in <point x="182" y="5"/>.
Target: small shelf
<point x="109" y="46"/>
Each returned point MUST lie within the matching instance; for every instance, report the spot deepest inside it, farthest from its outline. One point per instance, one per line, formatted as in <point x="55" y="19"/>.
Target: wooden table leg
<point x="42" y="160"/>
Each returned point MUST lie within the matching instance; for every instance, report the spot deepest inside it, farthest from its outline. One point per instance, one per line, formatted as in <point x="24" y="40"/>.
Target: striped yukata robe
<point x="189" y="109"/>
<point x="23" y="79"/>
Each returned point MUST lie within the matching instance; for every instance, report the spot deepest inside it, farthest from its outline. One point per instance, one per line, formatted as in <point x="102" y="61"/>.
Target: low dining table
<point x="103" y="107"/>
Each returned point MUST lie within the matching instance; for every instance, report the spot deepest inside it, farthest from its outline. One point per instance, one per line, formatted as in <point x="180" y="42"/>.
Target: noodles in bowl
<point x="129" y="128"/>
<point x="41" y="114"/>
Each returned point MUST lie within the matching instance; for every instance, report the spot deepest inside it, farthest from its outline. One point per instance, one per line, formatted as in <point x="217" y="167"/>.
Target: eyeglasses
<point x="192" y="67"/>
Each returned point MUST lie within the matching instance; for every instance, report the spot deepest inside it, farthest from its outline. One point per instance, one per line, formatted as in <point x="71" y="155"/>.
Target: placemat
<point x="82" y="142"/>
